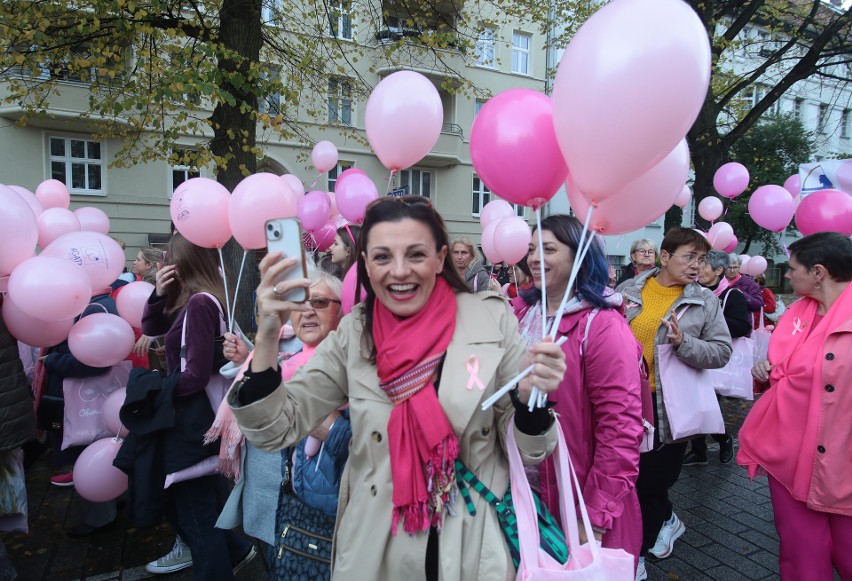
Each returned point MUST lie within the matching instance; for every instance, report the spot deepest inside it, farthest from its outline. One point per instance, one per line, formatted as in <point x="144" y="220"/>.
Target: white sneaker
<point x="641" y="573"/>
<point x="245" y="560"/>
<point x="177" y="559"/>
<point x="669" y="533"/>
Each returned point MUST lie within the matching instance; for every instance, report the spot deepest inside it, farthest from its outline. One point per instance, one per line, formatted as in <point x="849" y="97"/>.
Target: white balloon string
<point x="390" y="181"/>
<point x="534" y="398"/>
<point x="578" y="259"/>
<point x="236" y="291"/>
<point x="225" y="282"/>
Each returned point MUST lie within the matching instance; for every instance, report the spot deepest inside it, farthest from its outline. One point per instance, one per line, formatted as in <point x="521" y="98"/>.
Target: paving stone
<point x="709" y="515"/>
<point x="724" y="573"/>
<point x="766" y="559"/>
<point x="724" y="539"/>
<point x="674" y="569"/>
<point x="765" y="542"/>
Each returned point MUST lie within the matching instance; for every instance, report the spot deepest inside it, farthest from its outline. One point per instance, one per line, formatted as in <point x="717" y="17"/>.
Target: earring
<point x="818" y="284"/>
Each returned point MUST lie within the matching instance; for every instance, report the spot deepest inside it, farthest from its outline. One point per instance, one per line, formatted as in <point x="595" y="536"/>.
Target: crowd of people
<point x="361" y="427"/>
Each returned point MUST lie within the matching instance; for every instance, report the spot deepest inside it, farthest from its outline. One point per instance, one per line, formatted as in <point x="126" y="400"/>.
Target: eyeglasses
<point x="734" y="267"/>
<point x="691" y="259"/>
<point x="321" y="303"/>
<point x="646" y="252"/>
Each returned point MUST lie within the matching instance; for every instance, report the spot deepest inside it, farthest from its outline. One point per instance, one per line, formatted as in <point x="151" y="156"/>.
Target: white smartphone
<point x="284" y="235"/>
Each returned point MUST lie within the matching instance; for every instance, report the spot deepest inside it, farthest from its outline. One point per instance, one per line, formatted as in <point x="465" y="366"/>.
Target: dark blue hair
<point x="593" y="277"/>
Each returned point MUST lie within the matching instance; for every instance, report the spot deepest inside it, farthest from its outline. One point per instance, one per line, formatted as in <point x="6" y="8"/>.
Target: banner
<point x="820" y="175"/>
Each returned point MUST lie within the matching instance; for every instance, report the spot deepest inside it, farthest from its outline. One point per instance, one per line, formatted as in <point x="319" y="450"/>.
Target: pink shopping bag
<point x="688" y="396"/>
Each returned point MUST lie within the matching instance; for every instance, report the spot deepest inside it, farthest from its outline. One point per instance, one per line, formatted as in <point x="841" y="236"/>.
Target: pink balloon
<point x="55" y="222"/>
<point x="743" y="259"/>
<point x="111" y="409"/>
<point x="50" y="289"/>
<point x="18" y="230"/>
<point x="793" y="184"/>
<point x="324" y="237"/>
<point x="756" y="266"/>
<point x="338" y="222"/>
<point x="199" y="210"/>
<point x="771" y="207"/>
<point x="333" y="211"/>
<point x="843" y="176"/>
<point x="324" y="156"/>
<point x="295" y="184"/>
<point x="353" y="195"/>
<point x="825" y="211"/>
<point x="731" y="180"/>
<point x="720" y="235"/>
<point x="95" y="478"/>
<point x="487" y="242"/>
<point x="131" y="301"/>
<point x="53" y="194"/>
<point x="495" y="210"/>
<point x="33" y="331"/>
<point x="97" y="254"/>
<point x="92" y="219"/>
<point x="29" y="198"/>
<point x="256" y="199"/>
<point x="101" y="339"/>
<point x="710" y="208"/>
<point x="514" y="150"/>
<point x="313" y="210"/>
<point x="656" y="51"/>
<point x="512" y="238"/>
<point x="640" y="202"/>
<point x="683" y="197"/>
<point x="348" y="296"/>
<point x="403" y="119"/>
<point x="732" y="245"/>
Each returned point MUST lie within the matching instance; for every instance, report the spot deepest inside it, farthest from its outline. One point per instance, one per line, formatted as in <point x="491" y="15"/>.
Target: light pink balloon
<point x="710" y="208"/>
<point x="95" y="478"/>
<point x="92" y="219"/>
<point x="825" y="211"/>
<point x="720" y="235"/>
<point x="756" y="266"/>
<point x="512" y="239"/>
<point x="324" y="156"/>
<point x="348" y="296"/>
<point x="403" y="119"/>
<point x="55" y="222"/>
<point x="683" y="197"/>
<point x="97" y="254"/>
<point x="495" y="210"/>
<point x="199" y="211"/>
<point x="732" y="245"/>
<point x="18" y="230"/>
<point x="295" y="184"/>
<point x="324" y="237"/>
<point x="313" y="210"/>
<point x="29" y="198"/>
<point x="31" y="330"/>
<point x="353" y="196"/>
<point x="131" y="301"/>
<point x="843" y="176"/>
<point x="656" y="51"/>
<point x="793" y="184"/>
<point x="744" y="258"/>
<point x="333" y="211"/>
<point x="771" y="207"/>
<point x="731" y="179"/>
<point x="101" y="339"/>
<point x="514" y="150"/>
<point x="53" y="194"/>
<point x="338" y="222"/>
<point x="49" y="288"/>
<point x="256" y="199"/>
<point x="487" y="242"/>
<point x="111" y="409"/>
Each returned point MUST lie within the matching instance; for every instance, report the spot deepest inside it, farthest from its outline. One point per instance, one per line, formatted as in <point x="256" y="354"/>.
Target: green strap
<point x="464" y="475"/>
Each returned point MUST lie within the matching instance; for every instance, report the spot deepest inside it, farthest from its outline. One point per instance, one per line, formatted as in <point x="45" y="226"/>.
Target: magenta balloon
<point x="29" y="198"/>
<point x="32" y="331"/>
<point x="683" y="197"/>
<point x="720" y="235"/>
<point x="771" y="207"/>
<point x="353" y="195"/>
<point x="92" y="219"/>
<point x="495" y="210"/>
<point x="18" y="230"/>
<point x="514" y="150"/>
<point x="97" y="254"/>
<point x="256" y="199"/>
<point x="324" y="156"/>
<point x="324" y="237"/>
<point x="111" y="409"/>
<point x="757" y="265"/>
<point x="348" y="296"/>
<point x="313" y="210"/>
<point x="793" y="184"/>
<point x="55" y="222"/>
<point x="731" y="180"/>
<point x="95" y="478"/>
<point x="53" y="194"/>
<point x="49" y="288"/>
<point x="732" y="245"/>
<point x="131" y="301"/>
<point x="487" y="242"/>
<point x="295" y="184"/>
<point x="403" y="119"/>
<point x="199" y="211"/>
<point x="512" y="237"/>
<point x="710" y="208"/>
<point x="656" y="51"/>
<point x="101" y="340"/>
<point x="825" y="211"/>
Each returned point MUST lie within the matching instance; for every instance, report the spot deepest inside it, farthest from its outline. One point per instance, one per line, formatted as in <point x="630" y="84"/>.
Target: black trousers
<point x="699" y="444"/>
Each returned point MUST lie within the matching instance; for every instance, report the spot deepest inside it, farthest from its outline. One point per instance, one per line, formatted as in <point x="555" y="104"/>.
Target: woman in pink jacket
<point x="798" y="432"/>
<point x="598" y="402"/>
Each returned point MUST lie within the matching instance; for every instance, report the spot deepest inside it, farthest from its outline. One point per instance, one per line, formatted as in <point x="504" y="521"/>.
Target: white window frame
<point x="405" y="181"/>
<point x="69" y="161"/>
<point x="483" y="195"/>
<point x="798" y="108"/>
<point x="486" y="46"/>
<point x="270" y="12"/>
<point x="340" y="16"/>
<point x="844" y="124"/>
<point x="823" y="113"/>
<point x="331" y="176"/>
<point x="520" y="54"/>
<point x="188" y="171"/>
<point x="338" y="102"/>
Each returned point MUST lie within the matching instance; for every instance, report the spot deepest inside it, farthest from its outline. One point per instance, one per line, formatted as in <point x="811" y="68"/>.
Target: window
<point x="482" y="195"/>
<point x="334" y="172"/>
<point x="416" y="181"/>
<point x="271" y="12"/>
<point x="340" y="19"/>
<point x="844" y="124"/>
<point x="477" y="106"/>
<point x="521" y="53"/>
<point x="486" y="52"/>
<point x="756" y="95"/>
<point x="77" y="163"/>
<point x="797" y="108"/>
<point x="340" y="101"/>
<point x="822" y="119"/>
<point x="270" y="101"/>
<point x="182" y="168"/>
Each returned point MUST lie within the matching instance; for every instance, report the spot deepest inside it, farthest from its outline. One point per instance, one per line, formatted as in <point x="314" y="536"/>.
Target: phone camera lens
<point x="269" y="227"/>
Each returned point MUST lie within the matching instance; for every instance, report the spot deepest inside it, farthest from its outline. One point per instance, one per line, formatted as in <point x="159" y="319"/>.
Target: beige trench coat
<point x="469" y="547"/>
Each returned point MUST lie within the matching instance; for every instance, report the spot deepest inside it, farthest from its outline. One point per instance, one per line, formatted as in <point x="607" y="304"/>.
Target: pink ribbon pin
<point x="473" y="377"/>
<point x="799" y="326"/>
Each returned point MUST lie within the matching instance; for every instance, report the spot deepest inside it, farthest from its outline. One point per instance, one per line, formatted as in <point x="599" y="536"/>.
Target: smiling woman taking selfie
<point x="414" y="362"/>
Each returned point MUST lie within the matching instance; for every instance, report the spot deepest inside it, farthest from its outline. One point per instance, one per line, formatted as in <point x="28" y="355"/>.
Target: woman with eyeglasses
<point x="666" y="305"/>
<point x="414" y="362"/>
<point x="643" y="257"/>
<point x="744" y="283"/>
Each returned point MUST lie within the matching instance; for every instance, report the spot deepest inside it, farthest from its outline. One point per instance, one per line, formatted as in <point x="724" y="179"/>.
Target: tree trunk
<point x="708" y="151"/>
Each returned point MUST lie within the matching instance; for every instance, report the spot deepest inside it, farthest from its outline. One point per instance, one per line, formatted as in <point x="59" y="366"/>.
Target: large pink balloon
<point x="97" y="254"/>
<point x="333" y="211"/>
<point x="324" y="156"/>
<point x="487" y="242"/>
<point x="18" y="230"/>
<point x="199" y="211"/>
<point x="771" y="207"/>
<point x="324" y="237"/>
<point x="95" y="478"/>
<point x="256" y="199"/>
<point x="55" y="222"/>
<point x="111" y="409"/>
<point x="49" y="288"/>
<point x="825" y="211"/>
<point x="655" y="51"/>
<point x="495" y="210"/>
<point x="731" y="180"/>
<point x="720" y="235"/>
<point x="512" y="239"/>
<point x="843" y="176"/>
<point x="29" y="198"/>
<point x="131" y="301"/>
<point x="101" y="340"/>
<point x="403" y="119"/>
<point x="683" y="197"/>
<point x="295" y="184"/>
<point x="313" y="210"/>
<point x="710" y="208"/>
<point x="348" y="296"/>
<point x="33" y="331"/>
<point x="514" y="150"/>
<point x="732" y="245"/>
<point x="353" y="196"/>
<point x="92" y="219"/>
<point x="53" y="194"/>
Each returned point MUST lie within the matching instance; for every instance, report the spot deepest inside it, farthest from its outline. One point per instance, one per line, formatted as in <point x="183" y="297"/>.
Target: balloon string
<point x="390" y="180"/>
<point x="310" y="187"/>
<point x="783" y="244"/>
<point x="236" y="291"/>
<point x="536" y="395"/>
<point x="575" y="268"/>
<point x="354" y="242"/>
<point x="225" y="282"/>
<point x="515" y="274"/>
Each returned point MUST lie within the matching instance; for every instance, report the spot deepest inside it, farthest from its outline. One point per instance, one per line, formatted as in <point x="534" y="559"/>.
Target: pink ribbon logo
<point x="799" y="326"/>
<point x="473" y="377"/>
